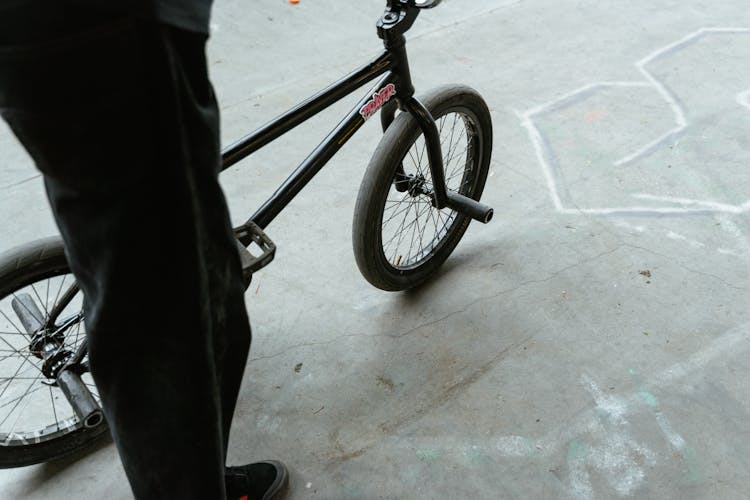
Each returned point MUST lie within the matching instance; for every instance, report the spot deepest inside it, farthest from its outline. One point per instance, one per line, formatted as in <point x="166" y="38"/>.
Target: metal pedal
<point x="248" y="234"/>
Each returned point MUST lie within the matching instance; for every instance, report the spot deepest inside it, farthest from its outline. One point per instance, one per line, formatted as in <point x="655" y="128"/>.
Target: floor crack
<point x="443" y="318"/>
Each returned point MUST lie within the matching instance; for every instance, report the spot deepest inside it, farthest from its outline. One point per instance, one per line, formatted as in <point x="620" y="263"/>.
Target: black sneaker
<point x="257" y="481"/>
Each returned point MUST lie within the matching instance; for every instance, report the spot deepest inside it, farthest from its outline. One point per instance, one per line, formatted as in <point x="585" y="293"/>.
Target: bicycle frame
<point x="385" y="66"/>
<point x="395" y="82"/>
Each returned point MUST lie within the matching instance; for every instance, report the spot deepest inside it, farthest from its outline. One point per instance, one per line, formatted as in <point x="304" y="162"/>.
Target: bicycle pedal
<point x="251" y="235"/>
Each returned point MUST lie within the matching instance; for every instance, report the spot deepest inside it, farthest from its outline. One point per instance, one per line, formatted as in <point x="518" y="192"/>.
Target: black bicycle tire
<point x="392" y="149"/>
<point x="18" y="266"/>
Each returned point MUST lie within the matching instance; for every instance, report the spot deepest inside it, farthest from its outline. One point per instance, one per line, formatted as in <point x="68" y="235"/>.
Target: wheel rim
<point x="412" y="230"/>
<point x="31" y="410"/>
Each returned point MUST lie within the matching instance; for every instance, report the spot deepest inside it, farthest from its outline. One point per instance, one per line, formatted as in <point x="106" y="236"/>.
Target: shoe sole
<point x="281" y="481"/>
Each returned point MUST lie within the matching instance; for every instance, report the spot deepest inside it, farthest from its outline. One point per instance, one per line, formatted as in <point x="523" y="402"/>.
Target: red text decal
<point x="377" y="101"/>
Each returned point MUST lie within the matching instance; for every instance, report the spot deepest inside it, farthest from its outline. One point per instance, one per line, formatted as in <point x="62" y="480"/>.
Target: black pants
<point x="120" y="117"/>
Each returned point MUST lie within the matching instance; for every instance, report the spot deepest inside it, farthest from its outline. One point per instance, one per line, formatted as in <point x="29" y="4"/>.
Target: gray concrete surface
<point x="591" y="342"/>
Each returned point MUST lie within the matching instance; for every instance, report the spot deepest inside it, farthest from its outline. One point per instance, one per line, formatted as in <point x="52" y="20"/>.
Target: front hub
<point x="417" y="185"/>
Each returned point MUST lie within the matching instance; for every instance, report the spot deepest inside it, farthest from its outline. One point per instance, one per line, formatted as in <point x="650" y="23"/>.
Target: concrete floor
<point x="591" y="342"/>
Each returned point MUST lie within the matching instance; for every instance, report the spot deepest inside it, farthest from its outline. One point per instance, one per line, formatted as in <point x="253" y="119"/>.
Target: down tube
<point x="368" y="106"/>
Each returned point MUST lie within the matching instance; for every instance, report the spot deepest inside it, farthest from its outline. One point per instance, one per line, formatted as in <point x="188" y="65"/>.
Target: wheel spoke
<point x="453" y="131"/>
<point x="18" y="417"/>
<point x="18" y="330"/>
<point x="59" y="289"/>
<point x="77" y="332"/>
<point x="422" y="156"/>
<point x="420" y="231"/>
<point x="39" y="298"/>
<point x="400" y="234"/>
<point x="18" y="401"/>
<point x="63" y="302"/>
<point x="435" y="216"/>
<point x="413" y="161"/>
<point x="413" y="234"/>
<point x="456" y="154"/>
<point x="458" y="169"/>
<point x="46" y="295"/>
<point x="54" y="409"/>
<point x="402" y="230"/>
<point x="25" y="357"/>
<point x="13" y="377"/>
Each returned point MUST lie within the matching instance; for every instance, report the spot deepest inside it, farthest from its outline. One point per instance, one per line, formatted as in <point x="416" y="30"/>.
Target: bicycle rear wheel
<point x="399" y="237"/>
<point x="36" y="422"/>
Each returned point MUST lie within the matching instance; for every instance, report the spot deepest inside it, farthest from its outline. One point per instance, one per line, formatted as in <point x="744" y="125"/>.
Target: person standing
<point x="113" y="102"/>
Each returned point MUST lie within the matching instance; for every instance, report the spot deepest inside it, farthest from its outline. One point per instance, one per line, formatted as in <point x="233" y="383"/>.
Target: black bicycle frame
<point x="395" y="82"/>
<point x="383" y="65"/>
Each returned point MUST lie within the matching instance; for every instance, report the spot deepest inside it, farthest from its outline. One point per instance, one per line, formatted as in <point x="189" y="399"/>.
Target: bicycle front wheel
<point x="399" y="237"/>
<point x="37" y="424"/>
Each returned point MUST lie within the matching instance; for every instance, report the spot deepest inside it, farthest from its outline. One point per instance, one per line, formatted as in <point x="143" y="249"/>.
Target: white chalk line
<point x="733" y="229"/>
<point x="712" y="205"/>
<point x="646" y="210"/>
<point x="743" y="99"/>
<point x="542" y="150"/>
<point x="539" y="148"/>
<point x="638" y="229"/>
<point x="679" y="237"/>
<point x="666" y="94"/>
<point x="727" y="251"/>
<point x="677" y="441"/>
<point x="560" y="102"/>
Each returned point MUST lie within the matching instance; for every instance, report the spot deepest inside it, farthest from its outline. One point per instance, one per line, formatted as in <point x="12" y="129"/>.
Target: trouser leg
<point x="124" y="125"/>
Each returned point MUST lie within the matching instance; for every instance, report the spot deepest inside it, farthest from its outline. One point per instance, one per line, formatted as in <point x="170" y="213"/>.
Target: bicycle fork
<point x="441" y="197"/>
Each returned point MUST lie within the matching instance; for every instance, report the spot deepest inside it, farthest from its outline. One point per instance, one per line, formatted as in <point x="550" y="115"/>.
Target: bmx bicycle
<point x="418" y="195"/>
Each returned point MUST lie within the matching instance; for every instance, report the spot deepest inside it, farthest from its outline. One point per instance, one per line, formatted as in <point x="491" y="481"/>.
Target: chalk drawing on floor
<point x="672" y="205"/>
